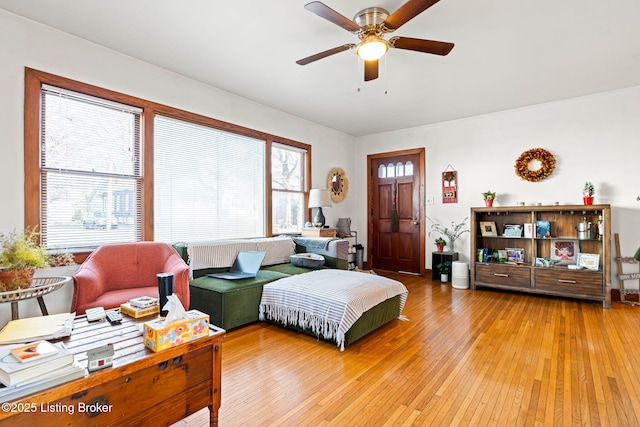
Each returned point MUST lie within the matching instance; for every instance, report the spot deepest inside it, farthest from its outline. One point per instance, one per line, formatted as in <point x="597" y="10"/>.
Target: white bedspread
<point x="327" y="302"/>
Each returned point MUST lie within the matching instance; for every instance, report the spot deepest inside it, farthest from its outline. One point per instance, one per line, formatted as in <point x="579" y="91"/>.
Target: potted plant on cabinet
<point x="20" y="255"/>
<point x="444" y="268"/>
<point x="587" y="193"/>
<point x="489" y="197"/>
<point x="440" y="242"/>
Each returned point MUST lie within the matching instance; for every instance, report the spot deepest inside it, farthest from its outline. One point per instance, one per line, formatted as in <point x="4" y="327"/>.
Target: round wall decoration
<point x="337" y="184"/>
<point x="532" y="157"/>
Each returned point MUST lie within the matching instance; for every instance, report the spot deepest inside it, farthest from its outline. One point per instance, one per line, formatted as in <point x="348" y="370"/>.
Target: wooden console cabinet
<point x="526" y="276"/>
<point x="142" y="387"/>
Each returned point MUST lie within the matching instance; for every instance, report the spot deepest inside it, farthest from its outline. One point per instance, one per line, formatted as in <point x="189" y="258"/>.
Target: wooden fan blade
<point x="370" y="70"/>
<point x="421" y="45"/>
<point x="407" y="12"/>
<point x="317" y="56"/>
<point x="324" y="11"/>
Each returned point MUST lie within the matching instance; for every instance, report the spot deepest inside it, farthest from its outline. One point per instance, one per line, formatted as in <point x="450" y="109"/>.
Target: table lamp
<point x="319" y="199"/>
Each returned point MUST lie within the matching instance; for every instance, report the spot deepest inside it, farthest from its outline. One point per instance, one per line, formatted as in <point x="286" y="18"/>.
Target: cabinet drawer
<point x="506" y="275"/>
<point x="177" y="386"/>
<point x="576" y="282"/>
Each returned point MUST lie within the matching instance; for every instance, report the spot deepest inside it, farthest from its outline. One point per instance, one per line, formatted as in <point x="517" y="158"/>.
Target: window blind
<point x="90" y="170"/>
<point x="208" y="183"/>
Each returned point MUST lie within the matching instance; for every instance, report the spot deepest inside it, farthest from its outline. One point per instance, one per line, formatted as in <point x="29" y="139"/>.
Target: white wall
<point x="594" y="138"/>
<point x="24" y="43"/>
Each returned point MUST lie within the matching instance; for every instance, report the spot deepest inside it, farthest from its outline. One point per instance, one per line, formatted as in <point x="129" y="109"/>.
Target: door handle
<point x="415" y="221"/>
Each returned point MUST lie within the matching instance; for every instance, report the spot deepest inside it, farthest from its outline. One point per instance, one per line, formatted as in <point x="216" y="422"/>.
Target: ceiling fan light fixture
<point x="372" y="48"/>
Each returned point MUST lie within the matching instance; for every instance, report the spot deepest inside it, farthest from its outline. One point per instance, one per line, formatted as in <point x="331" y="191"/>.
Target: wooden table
<point x="142" y="387"/>
<point x="319" y="232"/>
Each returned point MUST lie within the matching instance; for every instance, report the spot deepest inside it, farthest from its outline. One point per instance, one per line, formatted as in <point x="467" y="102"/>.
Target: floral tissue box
<point x="159" y="335"/>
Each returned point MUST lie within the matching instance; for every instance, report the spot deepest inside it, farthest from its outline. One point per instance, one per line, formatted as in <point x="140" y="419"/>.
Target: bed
<point x="334" y="305"/>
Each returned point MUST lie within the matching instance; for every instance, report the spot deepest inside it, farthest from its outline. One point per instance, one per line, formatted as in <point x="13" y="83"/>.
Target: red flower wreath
<point x="548" y="164"/>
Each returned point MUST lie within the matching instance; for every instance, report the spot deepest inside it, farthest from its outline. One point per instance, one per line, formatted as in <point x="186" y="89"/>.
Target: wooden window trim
<point x="34" y="79"/>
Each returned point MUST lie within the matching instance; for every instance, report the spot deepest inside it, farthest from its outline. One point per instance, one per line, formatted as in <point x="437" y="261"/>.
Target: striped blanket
<point x="327" y="302"/>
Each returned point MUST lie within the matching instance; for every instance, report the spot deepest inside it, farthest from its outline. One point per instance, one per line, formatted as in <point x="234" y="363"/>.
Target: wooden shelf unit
<point x="526" y="277"/>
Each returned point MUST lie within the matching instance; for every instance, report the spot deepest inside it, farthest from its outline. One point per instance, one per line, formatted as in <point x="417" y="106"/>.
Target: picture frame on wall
<point x="565" y="251"/>
<point x="589" y="261"/>
<point x="488" y="228"/>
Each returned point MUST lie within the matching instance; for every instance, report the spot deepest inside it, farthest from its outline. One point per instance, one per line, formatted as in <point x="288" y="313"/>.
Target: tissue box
<point x="159" y="335"/>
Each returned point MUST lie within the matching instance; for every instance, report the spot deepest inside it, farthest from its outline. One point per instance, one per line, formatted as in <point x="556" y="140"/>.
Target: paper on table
<point x="37" y="328"/>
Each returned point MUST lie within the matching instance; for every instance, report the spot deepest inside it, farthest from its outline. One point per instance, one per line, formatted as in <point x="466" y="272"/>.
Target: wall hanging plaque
<point x="449" y="185"/>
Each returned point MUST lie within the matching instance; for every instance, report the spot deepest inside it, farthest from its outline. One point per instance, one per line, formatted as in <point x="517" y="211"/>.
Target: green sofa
<point x="234" y="303"/>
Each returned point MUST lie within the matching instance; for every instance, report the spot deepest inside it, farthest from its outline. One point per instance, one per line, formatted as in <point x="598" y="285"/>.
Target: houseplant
<point x="444" y="268"/>
<point x="489" y="197"/>
<point x="587" y="193"/>
<point x="450" y="233"/>
<point x="440" y="242"/>
<point x="20" y="255"/>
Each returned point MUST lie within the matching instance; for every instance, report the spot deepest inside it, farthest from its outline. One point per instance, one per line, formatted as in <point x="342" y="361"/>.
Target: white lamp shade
<point x="319" y="198"/>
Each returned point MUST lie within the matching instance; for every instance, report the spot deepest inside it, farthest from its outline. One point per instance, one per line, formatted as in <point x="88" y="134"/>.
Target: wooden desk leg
<point x="14" y="310"/>
<point x="43" y="308"/>
<point x="217" y="381"/>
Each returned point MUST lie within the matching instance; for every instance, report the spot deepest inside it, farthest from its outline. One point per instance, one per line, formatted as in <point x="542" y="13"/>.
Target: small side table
<point x="319" y="232"/>
<point x="437" y="258"/>
<point x="39" y="287"/>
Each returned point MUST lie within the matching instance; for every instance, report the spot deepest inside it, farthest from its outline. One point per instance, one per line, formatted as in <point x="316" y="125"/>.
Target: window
<point x="288" y="165"/>
<point x="207" y="182"/>
<point x="102" y="166"/>
<point x="90" y="170"/>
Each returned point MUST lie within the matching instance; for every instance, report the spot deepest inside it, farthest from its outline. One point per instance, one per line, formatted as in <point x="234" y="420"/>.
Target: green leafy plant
<point x="588" y="190"/>
<point x="450" y="233"/>
<point x="489" y="195"/>
<point x="20" y="255"/>
<point x="21" y="251"/>
<point x="444" y="267"/>
<point x="440" y="241"/>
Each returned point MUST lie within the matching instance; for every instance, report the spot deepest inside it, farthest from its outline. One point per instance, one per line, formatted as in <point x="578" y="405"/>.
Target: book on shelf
<point x="137" y="312"/>
<point x="14" y="372"/>
<point x="31" y="329"/>
<point x="42" y="382"/>
<point x="543" y="229"/>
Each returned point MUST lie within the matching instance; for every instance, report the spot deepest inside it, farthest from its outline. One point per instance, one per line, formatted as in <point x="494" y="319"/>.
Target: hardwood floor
<point x="463" y="358"/>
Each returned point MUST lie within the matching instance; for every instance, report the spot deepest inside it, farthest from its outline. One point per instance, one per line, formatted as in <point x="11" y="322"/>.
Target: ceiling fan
<point x="370" y="25"/>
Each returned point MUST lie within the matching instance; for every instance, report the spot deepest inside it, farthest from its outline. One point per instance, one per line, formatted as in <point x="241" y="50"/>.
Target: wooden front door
<point x="396" y="192"/>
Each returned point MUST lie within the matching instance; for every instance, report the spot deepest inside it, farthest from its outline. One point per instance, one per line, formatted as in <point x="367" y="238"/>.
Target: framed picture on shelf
<point x="565" y="251"/>
<point x="515" y="255"/>
<point x="512" y="230"/>
<point x="488" y="228"/>
<point x="589" y="261"/>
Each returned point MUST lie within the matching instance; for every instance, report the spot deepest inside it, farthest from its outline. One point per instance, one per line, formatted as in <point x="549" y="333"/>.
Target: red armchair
<point x="115" y="273"/>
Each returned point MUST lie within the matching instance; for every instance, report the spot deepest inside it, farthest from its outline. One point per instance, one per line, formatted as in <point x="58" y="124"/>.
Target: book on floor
<point x="14" y="372"/>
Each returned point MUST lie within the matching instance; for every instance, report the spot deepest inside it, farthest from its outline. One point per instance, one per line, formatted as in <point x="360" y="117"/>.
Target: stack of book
<point x="140" y="307"/>
<point x="27" y="368"/>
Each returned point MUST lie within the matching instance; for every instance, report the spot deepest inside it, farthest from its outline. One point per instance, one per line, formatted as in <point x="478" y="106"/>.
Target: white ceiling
<point x="507" y="54"/>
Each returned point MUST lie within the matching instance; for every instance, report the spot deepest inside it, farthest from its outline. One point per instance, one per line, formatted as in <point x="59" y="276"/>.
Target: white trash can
<point x="460" y="275"/>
